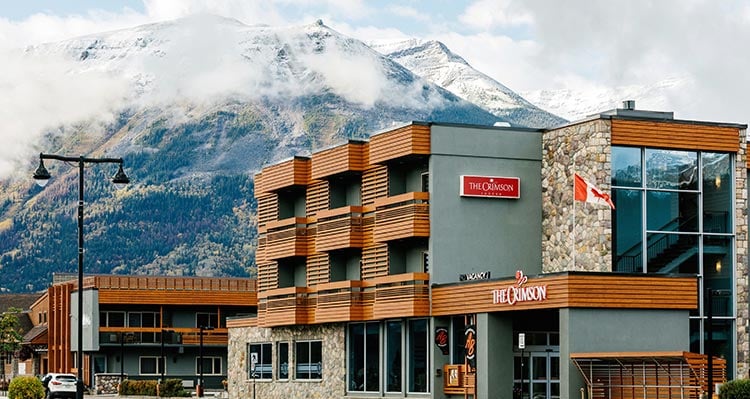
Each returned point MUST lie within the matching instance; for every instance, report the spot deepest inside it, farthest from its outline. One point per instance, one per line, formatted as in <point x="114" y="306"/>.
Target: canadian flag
<point x="587" y="192"/>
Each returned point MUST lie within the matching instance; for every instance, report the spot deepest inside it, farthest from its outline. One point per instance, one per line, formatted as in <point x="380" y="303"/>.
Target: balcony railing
<point x="402" y="216"/>
<point x="339" y="228"/>
<point x="401" y="295"/>
<point x="287" y="238"/>
<point x="152" y="335"/>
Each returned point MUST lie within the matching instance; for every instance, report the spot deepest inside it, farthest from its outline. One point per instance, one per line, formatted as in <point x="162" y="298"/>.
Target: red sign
<point x="490" y="186"/>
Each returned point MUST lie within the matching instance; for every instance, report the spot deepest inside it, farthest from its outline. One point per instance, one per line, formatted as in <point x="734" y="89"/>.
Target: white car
<point x="59" y="385"/>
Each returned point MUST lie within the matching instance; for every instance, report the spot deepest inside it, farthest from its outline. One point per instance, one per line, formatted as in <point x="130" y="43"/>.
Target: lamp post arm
<point x="80" y="159"/>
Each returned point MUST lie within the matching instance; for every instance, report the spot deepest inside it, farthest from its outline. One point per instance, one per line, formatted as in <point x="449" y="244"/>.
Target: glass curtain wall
<point x="674" y="213"/>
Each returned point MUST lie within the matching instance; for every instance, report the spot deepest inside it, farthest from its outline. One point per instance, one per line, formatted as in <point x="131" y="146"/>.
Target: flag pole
<point x="574" y="211"/>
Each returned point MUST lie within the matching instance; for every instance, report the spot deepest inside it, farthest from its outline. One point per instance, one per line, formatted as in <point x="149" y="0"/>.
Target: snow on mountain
<point x="574" y="104"/>
<point x="433" y="61"/>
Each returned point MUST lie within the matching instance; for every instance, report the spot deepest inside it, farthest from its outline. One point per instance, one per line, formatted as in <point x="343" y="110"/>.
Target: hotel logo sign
<point x="519" y="292"/>
<point x="490" y="187"/>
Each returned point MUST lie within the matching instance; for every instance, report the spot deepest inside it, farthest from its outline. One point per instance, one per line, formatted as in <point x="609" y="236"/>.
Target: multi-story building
<point x="439" y="260"/>
<point x="143" y="327"/>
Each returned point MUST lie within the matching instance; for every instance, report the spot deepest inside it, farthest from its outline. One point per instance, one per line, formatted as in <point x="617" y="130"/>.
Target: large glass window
<point x="309" y="356"/>
<point x="364" y="357"/>
<point x="283" y="360"/>
<point x="211" y="365"/>
<point x="393" y="356"/>
<point x="150" y="365"/>
<point x="418" y="360"/>
<point x="262" y="354"/>
<point x="674" y="215"/>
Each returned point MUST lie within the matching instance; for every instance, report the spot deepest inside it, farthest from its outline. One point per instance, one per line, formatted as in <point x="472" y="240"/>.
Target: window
<point x="364" y="357"/>
<point x="282" y="354"/>
<point x="111" y="319"/>
<point x="675" y="215"/>
<point x="206" y="319"/>
<point x="309" y="356"/>
<point x="388" y="357"/>
<point x="211" y="365"/>
<point x="263" y="367"/>
<point x="150" y="365"/>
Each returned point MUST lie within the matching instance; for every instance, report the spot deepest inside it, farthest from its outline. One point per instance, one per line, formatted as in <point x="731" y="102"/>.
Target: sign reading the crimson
<point x="490" y="186"/>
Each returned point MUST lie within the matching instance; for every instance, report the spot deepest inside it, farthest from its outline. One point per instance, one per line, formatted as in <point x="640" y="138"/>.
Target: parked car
<point x="59" y="385"/>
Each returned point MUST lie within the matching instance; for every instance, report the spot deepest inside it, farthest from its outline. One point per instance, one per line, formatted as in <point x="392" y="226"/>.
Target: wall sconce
<point x="717" y="181"/>
<point x="718" y="266"/>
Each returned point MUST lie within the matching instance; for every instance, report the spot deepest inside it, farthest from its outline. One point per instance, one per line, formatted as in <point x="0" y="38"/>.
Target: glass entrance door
<point x="537" y="375"/>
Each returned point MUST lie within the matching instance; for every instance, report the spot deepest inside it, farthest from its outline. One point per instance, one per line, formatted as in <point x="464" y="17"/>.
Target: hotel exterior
<point x="441" y="261"/>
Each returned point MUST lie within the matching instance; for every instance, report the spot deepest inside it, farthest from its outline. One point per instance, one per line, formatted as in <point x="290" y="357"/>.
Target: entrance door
<point x="539" y="377"/>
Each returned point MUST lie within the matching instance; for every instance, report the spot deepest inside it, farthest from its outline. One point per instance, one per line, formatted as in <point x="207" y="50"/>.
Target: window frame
<point x="261" y="345"/>
<point x="157" y="361"/>
<point x="213" y="360"/>
<point x="297" y="362"/>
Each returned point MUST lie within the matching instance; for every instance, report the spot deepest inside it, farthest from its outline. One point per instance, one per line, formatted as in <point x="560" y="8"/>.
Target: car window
<point x="66" y="378"/>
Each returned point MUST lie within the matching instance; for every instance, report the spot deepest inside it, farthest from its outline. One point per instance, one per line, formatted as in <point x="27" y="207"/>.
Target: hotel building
<point x="440" y="260"/>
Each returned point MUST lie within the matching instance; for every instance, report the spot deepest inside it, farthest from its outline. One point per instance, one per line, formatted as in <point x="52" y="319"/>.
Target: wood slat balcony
<point x="350" y="157"/>
<point x="150" y="335"/>
<point x="342" y="301"/>
<point x="410" y="140"/>
<point x="402" y="295"/>
<point x="287" y="238"/>
<point x="402" y="216"/>
<point x="339" y="228"/>
<point x="287" y="306"/>
<point x="294" y="172"/>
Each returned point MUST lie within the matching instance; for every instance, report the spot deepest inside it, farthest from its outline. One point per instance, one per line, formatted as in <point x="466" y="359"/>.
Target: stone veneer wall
<point x="333" y="384"/>
<point x="583" y="242"/>
<point x="741" y="268"/>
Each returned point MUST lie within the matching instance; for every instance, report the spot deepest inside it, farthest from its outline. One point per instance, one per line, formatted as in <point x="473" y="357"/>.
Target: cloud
<point x="484" y="15"/>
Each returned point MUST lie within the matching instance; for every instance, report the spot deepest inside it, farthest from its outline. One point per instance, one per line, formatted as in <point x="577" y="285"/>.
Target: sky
<point x="527" y="45"/>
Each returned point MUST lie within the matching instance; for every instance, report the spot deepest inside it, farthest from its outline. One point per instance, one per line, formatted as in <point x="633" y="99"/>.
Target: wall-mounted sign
<point x="490" y="187"/>
<point x="470" y="333"/>
<point x="441" y="339"/>
<point x="474" y="276"/>
<point x="519" y="292"/>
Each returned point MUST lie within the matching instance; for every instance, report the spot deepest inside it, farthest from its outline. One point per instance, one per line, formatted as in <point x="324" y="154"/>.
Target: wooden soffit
<point x="677" y="135"/>
<point x="567" y="290"/>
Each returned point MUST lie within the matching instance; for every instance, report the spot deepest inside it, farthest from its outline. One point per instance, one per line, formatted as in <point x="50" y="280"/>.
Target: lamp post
<point x="163" y="362"/>
<point x="200" y="354"/>
<point x="709" y="348"/>
<point x="42" y="176"/>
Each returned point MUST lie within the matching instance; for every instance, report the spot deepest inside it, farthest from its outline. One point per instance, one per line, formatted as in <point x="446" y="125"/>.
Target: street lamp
<point x="42" y="176"/>
<point x="163" y="362"/>
<point x="200" y="354"/>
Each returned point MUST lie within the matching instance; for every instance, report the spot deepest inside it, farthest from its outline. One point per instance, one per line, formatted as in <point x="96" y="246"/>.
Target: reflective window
<point x="717" y="272"/>
<point x="418" y="364"/>
<point x="309" y="357"/>
<point x="717" y="193"/>
<point x="627" y="220"/>
<point x="626" y="167"/>
<point x="671" y="211"/>
<point x="364" y="357"/>
<point x="669" y="169"/>
<point x="263" y="367"/>
<point x="672" y="253"/>
<point x="393" y="356"/>
<point x="283" y="360"/>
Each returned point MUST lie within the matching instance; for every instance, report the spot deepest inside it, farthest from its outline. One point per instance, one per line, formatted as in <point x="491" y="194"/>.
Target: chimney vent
<point x="628" y="104"/>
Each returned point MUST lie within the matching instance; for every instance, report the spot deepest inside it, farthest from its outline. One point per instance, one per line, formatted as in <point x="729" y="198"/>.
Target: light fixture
<point x="717" y="181"/>
<point x="120" y="179"/>
<point x="41" y="175"/>
<point x="718" y="266"/>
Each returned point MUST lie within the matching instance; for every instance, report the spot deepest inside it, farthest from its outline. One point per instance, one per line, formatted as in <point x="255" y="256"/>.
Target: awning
<point x="37" y="336"/>
<point x="647" y="374"/>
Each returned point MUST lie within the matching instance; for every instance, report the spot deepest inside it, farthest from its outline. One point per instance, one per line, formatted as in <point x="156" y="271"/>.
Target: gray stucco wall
<point x="484" y="234"/>
<point x="606" y="330"/>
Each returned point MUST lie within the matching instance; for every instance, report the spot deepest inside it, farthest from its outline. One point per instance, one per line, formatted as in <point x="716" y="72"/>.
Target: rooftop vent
<point x="628" y="104"/>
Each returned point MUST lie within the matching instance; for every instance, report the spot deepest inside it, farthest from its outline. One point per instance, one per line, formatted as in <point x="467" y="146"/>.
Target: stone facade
<point x="741" y="268"/>
<point x="106" y="383"/>
<point x="332" y="385"/>
<point x="576" y="235"/>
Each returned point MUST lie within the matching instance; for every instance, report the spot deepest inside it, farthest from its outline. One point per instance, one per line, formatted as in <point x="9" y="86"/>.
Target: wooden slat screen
<point x="401" y="142"/>
<point x="564" y="290"/>
<point x="317" y="198"/>
<point x="402" y="216"/>
<point x="268" y="276"/>
<point x="374" y="184"/>
<point x="350" y="157"/>
<point x="374" y="261"/>
<point x="268" y="210"/>
<point x="675" y="135"/>
<point x="339" y="229"/>
<point x="318" y="269"/>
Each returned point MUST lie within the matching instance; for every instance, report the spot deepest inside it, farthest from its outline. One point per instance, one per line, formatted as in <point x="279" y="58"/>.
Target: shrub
<point x="138" y="387"/>
<point x="25" y="387"/>
<point x="736" y="389"/>
<point x="173" y="388"/>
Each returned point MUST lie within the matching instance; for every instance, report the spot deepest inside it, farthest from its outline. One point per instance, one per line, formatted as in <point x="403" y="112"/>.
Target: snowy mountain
<point x="574" y="104"/>
<point x="194" y="106"/>
<point x="433" y="61"/>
